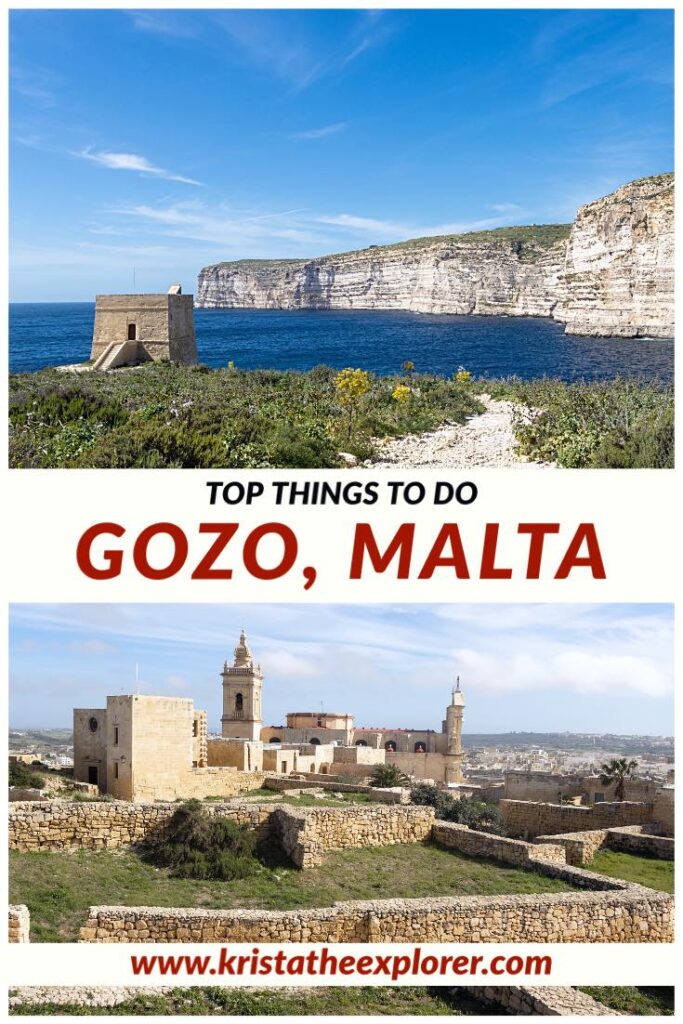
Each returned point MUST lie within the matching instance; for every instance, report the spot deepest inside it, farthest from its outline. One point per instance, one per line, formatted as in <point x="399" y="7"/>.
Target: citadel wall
<point x="529" y="819"/>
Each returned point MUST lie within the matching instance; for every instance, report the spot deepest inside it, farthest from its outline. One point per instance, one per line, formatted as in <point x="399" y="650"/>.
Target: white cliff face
<point x="526" y="271"/>
<point x="619" y="273"/>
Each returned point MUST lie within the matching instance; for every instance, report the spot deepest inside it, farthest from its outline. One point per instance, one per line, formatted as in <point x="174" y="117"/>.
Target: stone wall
<point x="311" y="780"/>
<point x="529" y="819"/>
<point x="484" y="844"/>
<point x="19" y="924"/>
<point x="625" y="913"/>
<point x="61" y="825"/>
<point x="581" y="847"/>
<point x="305" y="834"/>
<point x="540" y="1000"/>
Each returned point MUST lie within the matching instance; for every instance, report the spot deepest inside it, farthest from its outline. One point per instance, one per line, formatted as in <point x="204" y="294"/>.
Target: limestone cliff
<point x="619" y="270"/>
<point x="611" y="272"/>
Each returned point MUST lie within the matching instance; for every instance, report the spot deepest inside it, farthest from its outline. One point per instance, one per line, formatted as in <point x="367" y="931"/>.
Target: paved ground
<point x="484" y="440"/>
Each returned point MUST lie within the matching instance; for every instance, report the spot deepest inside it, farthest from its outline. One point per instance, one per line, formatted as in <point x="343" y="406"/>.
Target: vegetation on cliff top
<point x="526" y="239"/>
<point x="162" y="415"/>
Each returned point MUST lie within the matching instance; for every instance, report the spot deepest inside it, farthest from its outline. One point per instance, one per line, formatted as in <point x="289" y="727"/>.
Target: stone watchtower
<point x="454" y="717"/>
<point x="242" y="685"/>
<point x="132" y="329"/>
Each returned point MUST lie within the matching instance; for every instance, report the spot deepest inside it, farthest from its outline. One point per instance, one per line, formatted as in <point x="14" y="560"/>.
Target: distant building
<point x="144" y="747"/>
<point x="131" y="329"/>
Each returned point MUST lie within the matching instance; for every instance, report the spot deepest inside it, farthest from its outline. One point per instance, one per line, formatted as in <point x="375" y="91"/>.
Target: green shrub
<point x="195" y="845"/>
<point x="20" y="774"/>
<point x="477" y="814"/>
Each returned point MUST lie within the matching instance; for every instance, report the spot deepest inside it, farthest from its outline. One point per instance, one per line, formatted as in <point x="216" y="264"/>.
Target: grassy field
<point x="656" y="874"/>
<point x="329" y="1002"/>
<point x="639" y="1002"/>
<point x="58" y="887"/>
<point x="161" y="415"/>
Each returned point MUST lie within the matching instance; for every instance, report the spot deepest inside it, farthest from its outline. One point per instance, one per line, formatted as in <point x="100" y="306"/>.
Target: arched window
<point x="390" y="745"/>
<point x="314" y="740"/>
<point x="420" y="748"/>
<point x="239" y="702"/>
<point x="132" y="332"/>
<point x="361" y="743"/>
<point x="275" y="739"/>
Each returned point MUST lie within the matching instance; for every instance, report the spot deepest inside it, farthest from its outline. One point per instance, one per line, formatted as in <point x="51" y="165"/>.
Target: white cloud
<point x="131" y="162"/>
<point x="321" y="133"/>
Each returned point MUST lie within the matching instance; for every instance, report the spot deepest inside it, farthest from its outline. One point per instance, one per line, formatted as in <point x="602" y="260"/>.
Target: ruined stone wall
<point x="540" y="1000"/>
<point x="312" y="780"/>
<point x="484" y="844"/>
<point x="19" y="923"/>
<point x="305" y="834"/>
<point x="529" y="819"/>
<point x="628" y="914"/>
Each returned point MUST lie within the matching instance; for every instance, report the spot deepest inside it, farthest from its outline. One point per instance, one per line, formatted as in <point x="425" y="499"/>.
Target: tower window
<point x="132" y="332"/>
<point x="116" y="735"/>
<point x="116" y="769"/>
<point x="239" y="702"/>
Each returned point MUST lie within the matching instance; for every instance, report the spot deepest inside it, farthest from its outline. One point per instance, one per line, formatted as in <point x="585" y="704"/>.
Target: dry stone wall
<point x="19" y="924"/>
<point x="541" y="1000"/>
<point x="484" y="844"/>
<point x="530" y="819"/>
<point x="581" y="847"/>
<point x="305" y="834"/>
<point x="60" y="824"/>
<point x="622" y="914"/>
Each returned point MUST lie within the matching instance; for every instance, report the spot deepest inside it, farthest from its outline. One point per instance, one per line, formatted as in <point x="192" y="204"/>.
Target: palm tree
<point x="617" y="771"/>
<point x="387" y="775"/>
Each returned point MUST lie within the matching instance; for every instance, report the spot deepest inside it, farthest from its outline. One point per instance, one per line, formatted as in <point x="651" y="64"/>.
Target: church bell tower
<point x="242" y="685"/>
<point x="454" y="716"/>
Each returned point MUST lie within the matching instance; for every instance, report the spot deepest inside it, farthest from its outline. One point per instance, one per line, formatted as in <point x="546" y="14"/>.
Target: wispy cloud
<point x="131" y="162"/>
<point x="321" y="133"/>
<point x="182" y="25"/>
<point x="305" y="232"/>
<point x="34" y="84"/>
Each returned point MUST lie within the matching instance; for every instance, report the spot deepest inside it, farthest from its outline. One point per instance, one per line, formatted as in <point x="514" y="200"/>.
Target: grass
<point x="342" y="1002"/>
<point x="616" y="424"/>
<point x="636" y="1001"/>
<point x="58" y="887"/>
<point x="655" y="874"/>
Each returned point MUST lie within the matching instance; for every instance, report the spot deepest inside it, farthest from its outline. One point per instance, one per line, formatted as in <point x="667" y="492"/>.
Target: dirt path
<point x="484" y="440"/>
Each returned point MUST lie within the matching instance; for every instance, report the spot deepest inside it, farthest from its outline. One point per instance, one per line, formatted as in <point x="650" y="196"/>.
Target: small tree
<point x="196" y="845"/>
<point x="387" y="775"/>
<point x="616" y="772"/>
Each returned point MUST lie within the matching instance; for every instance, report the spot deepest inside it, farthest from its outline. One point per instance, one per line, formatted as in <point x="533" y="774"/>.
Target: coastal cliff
<point x="610" y="273"/>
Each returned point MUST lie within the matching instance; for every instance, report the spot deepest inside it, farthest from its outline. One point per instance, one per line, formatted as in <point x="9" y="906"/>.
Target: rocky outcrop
<point x="610" y="273"/>
<point x="619" y="271"/>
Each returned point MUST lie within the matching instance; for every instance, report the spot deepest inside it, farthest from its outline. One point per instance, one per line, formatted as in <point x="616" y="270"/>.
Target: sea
<point x="53" y="334"/>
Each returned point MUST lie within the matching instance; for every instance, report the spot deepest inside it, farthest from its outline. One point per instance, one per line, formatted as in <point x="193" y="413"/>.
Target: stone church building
<point x="146" y="747"/>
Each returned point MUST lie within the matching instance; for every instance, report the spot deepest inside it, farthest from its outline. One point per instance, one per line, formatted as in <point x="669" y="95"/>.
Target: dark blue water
<point x="50" y="334"/>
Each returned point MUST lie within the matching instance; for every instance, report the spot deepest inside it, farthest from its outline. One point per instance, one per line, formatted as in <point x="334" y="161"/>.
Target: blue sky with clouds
<point x="543" y="667"/>
<point x="165" y="140"/>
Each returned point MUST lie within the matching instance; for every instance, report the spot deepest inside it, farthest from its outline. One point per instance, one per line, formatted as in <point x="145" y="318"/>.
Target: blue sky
<point x="543" y="667"/>
<point x="166" y="140"/>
